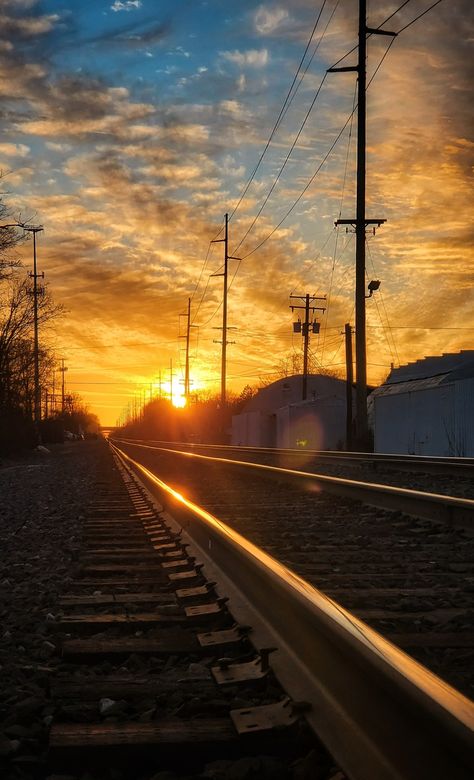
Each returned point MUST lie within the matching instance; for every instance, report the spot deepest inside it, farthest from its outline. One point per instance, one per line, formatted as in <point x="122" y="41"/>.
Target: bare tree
<point x="16" y="348"/>
<point x="11" y="234"/>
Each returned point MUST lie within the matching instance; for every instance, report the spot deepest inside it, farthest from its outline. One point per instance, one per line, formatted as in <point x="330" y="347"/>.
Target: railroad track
<point x="411" y="579"/>
<point x="160" y="671"/>
<point x="155" y="673"/>
<point x="282" y="464"/>
<point x="462" y="468"/>
<point x="159" y="668"/>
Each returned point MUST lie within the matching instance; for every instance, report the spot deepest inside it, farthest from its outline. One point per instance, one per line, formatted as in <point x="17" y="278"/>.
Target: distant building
<point x="277" y="417"/>
<point x="427" y="407"/>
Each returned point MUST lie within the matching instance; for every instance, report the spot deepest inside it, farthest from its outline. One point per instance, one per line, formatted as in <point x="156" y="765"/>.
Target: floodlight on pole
<point x="372" y="287"/>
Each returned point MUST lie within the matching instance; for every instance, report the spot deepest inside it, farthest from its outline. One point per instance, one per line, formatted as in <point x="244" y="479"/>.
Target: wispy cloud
<point x="255" y="58"/>
<point x="14" y="150"/>
<point x="268" y="19"/>
<point x="130" y="163"/>
<point x="127" y="5"/>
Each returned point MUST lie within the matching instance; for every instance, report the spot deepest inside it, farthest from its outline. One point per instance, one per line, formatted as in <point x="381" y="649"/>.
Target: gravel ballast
<point x="42" y="501"/>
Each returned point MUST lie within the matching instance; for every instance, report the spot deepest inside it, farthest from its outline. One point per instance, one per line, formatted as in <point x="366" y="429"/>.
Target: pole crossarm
<point x="344" y="69"/>
<point x="354" y="222"/>
<point x="375" y="31"/>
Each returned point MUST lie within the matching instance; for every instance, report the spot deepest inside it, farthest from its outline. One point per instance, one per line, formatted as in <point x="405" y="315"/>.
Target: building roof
<point x="288" y="390"/>
<point x="438" y="369"/>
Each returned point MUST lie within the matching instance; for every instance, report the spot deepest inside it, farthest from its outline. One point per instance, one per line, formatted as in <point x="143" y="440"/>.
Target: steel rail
<point x="432" y="506"/>
<point x="382" y="715"/>
<point x="428" y="464"/>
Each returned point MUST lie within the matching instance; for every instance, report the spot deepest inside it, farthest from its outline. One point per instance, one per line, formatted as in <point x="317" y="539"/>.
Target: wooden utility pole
<point x="37" y="291"/>
<point x="360" y="224"/>
<point x="186" y="364"/>
<point x="171" y="380"/>
<point x="305" y="327"/>
<point x="63" y="370"/>
<point x="53" y="397"/>
<point x="360" y="332"/>
<point x="187" y="380"/>
<point x="349" y="381"/>
<point x="225" y="274"/>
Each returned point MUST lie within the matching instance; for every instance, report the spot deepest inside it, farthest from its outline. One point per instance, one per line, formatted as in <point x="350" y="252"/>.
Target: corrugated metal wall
<point x="464" y="412"/>
<point x="432" y="421"/>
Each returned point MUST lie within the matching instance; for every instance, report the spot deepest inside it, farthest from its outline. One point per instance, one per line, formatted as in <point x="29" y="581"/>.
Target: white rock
<point x="105" y="705"/>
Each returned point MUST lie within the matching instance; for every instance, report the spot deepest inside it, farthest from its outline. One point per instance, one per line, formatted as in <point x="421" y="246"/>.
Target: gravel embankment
<point x="42" y="499"/>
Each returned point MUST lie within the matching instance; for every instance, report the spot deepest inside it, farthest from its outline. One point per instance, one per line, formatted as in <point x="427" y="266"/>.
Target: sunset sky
<point x="129" y="128"/>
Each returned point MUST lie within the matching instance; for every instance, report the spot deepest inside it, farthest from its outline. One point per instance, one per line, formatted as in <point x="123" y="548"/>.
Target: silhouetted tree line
<point x="202" y="421"/>
<point x="17" y="429"/>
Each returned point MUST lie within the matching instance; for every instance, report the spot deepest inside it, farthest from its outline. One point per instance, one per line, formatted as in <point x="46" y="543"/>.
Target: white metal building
<point x="277" y="417"/>
<point x="427" y="407"/>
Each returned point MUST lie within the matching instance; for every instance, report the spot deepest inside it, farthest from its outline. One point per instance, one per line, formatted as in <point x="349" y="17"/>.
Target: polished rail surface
<point x="380" y="713"/>
<point x="433" y="506"/>
<point x="428" y="464"/>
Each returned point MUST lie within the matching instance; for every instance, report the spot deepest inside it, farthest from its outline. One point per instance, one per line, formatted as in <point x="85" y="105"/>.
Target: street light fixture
<point x="372" y="286"/>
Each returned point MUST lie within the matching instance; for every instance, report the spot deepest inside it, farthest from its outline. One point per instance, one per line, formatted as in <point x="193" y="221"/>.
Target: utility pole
<point x="63" y="370"/>
<point x="361" y="222"/>
<point x="171" y="380"/>
<point x="227" y="257"/>
<point x="187" y="382"/>
<point x="186" y="365"/>
<point x="53" y="398"/>
<point x="37" y="290"/>
<point x="349" y="381"/>
<point x="304" y="327"/>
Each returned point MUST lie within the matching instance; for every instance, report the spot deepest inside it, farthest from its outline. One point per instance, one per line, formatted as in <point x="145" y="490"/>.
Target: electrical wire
<point x="316" y="257"/>
<point x="310" y="60"/>
<point x="305" y="189"/>
<point x="342" y="129"/>
<point x="280" y="115"/>
<point x="295" y="141"/>
<point x="331" y="148"/>
<point x="433" y="5"/>
<point x="384" y="307"/>
<point x="202" y="271"/>
<point x="277" y="177"/>
<point x="339" y="216"/>
<point x="369" y="35"/>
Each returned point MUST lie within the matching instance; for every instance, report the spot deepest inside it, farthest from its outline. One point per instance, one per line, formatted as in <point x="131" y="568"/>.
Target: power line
<point x="308" y="185"/>
<point x="342" y="129"/>
<point x="433" y="5"/>
<point x="311" y="59"/>
<point x="384" y="307"/>
<point x="369" y="35"/>
<point x="277" y="177"/>
<point x="339" y="216"/>
<point x="280" y="115"/>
